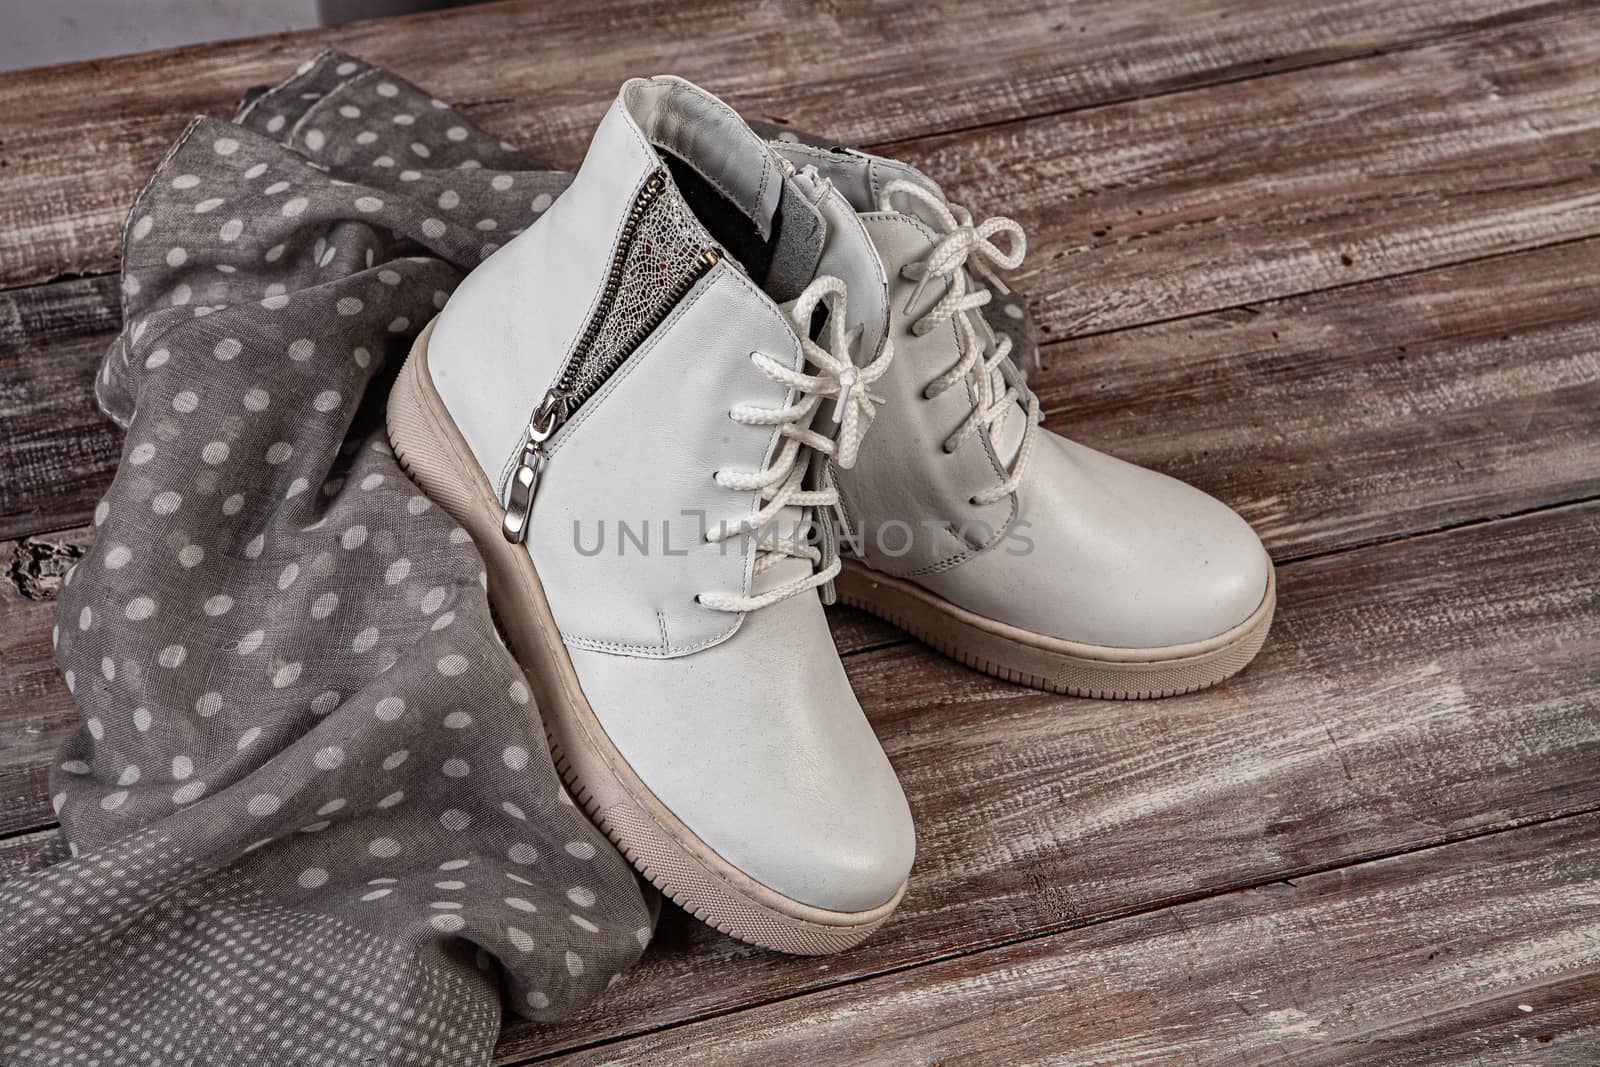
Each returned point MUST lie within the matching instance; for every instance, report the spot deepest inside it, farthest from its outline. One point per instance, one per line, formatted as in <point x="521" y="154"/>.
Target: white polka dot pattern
<point x="305" y="752"/>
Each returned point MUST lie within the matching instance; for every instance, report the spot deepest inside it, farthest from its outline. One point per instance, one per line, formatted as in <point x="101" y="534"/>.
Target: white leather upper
<point x="759" y="746"/>
<point x="510" y="324"/>
<point x="642" y="452"/>
<point x="1109" y="553"/>
<point x="710" y="137"/>
<point x="743" y="725"/>
<point x="848" y="255"/>
<point x="910" y="502"/>
<point x="859" y="176"/>
<point x="1088" y="549"/>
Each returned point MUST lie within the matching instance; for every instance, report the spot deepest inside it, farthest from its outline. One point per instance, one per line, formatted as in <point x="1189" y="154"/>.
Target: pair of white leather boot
<point x="721" y="378"/>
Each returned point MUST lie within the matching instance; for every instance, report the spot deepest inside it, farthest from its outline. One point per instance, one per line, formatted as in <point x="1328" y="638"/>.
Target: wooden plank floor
<point x="1334" y="261"/>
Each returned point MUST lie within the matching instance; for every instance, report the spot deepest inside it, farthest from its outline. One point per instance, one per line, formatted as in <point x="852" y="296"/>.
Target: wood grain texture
<point x="1264" y="188"/>
<point x="57" y="451"/>
<point x="77" y="141"/>
<point x="14" y="852"/>
<point x="1411" y="693"/>
<point x="1361" y="413"/>
<point x="1370" y="964"/>
<point x="1557" y="1029"/>
<point x="1445" y="162"/>
<point x="36" y="711"/>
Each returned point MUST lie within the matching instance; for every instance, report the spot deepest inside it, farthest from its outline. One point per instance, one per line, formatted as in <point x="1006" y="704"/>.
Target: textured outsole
<point x="667" y="853"/>
<point x="1065" y="667"/>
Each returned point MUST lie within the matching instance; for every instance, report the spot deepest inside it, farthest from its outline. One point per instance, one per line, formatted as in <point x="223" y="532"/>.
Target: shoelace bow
<point x="966" y="247"/>
<point x="782" y="481"/>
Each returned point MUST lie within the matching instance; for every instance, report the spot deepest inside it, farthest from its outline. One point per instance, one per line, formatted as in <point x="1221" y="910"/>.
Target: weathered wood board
<point x="1481" y="952"/>
<point x="1484" y="376"/>
<point x="36" y="711"/>
<point x="1264" y="188"/>
<point x="57" y="451"/>
<point x="1497" y="184"/>
<point x="77" y="141"/>
<point x="14" y="852"/>
<point x="1392" y="709"/>
<point x="1365" y="412"/>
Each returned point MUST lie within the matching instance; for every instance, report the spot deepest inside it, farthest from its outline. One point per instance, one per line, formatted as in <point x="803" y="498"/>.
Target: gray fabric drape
<point x="310" y="816"/>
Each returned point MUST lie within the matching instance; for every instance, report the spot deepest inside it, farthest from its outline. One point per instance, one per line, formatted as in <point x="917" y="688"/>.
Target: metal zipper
<point x="563" y="398"/>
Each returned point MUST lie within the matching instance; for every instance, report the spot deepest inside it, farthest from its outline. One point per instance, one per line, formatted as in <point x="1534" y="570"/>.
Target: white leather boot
<point x="621" y="410"/>
<point x="995" y="540"/>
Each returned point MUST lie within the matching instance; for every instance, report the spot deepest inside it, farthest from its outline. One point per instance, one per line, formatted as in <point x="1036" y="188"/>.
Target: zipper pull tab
<point x="530" y="465"/>
<point x="524" y="480"/>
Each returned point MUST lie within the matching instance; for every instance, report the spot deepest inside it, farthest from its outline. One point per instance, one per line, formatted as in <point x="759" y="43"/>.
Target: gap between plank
<point x="1250" y="306"/>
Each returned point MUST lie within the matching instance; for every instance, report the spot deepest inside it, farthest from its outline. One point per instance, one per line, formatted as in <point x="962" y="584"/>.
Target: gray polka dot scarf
<point x="309" y="816"/>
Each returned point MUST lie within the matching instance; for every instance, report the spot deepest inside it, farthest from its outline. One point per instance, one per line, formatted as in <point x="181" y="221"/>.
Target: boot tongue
<point x="860" y="178"/>
<point x="846" y="253"/>
<point x="819" y="235"/>
<point x="1007" y="436"/>
<point x="784" y="229"/>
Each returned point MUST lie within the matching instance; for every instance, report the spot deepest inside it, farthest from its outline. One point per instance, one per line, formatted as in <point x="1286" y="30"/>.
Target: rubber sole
<point x="1048" y="663"/>
<point x="436" y="457"/>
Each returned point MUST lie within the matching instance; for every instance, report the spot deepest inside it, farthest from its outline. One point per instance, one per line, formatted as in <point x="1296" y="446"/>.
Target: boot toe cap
<point x="1109" y="554"/>
<point x="759" y="747"/>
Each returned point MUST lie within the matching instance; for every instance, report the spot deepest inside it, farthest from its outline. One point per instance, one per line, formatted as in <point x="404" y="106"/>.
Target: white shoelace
<point x="782" y="481"/>
<point x="964" y="247"/>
